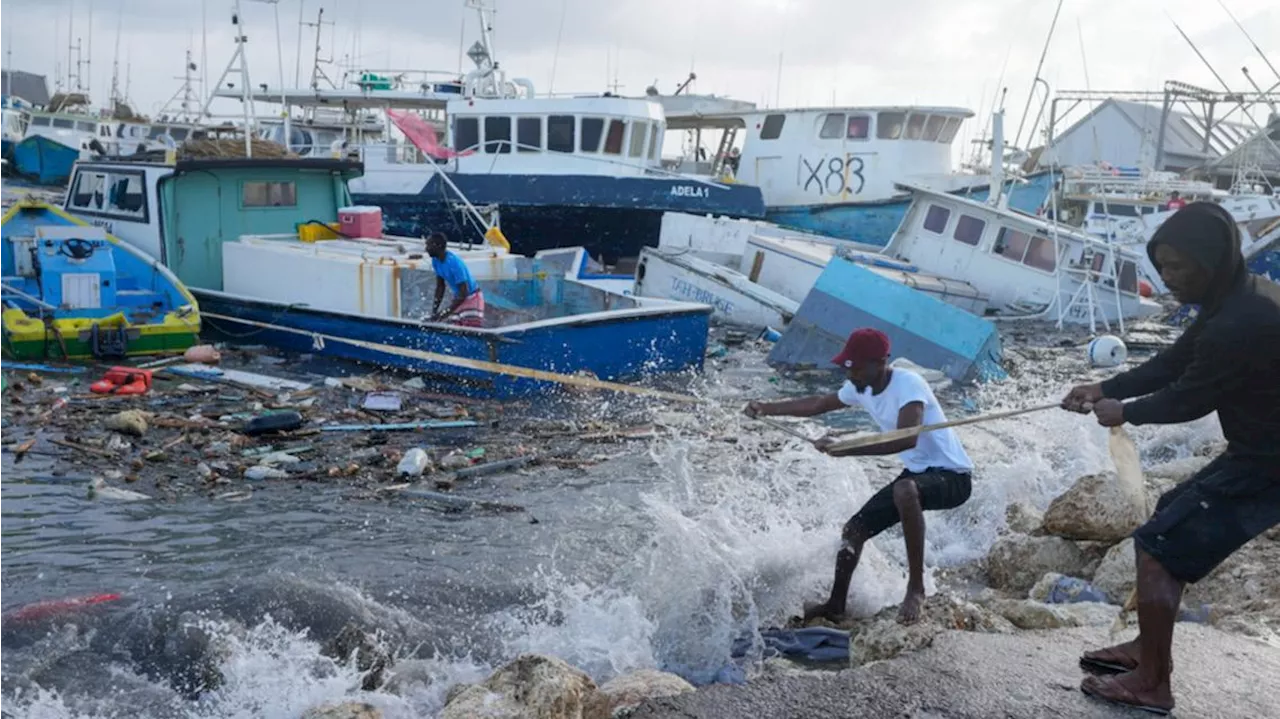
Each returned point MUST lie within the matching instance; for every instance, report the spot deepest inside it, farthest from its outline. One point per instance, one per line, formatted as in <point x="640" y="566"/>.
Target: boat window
<point x="156" y="131"/>
<point x="270" y="194"/>
<point x="466" y="133"/>
<point x="179" y="134"/>
<point x="639" y="132"/>
<point x="560" y="133"/>
<point x="89" y="191"/>
<point x="933" y="127"/>
<point x="969" y="229"/>
<point x="858" y="127"/>
<point x="1042" y="254"/>
<point x="1115" y="210"/>
<point x="64" y="124"/>
<point x="832" y="126"/>
<point x="592" y="131"/>
<point x="497" y="135"/>
<point x="949" y="130"/>
<point x="655" y="140"/>
<point x="613" y="141"/>
<point x="889" y="126"/>
<point x="1128" y="276"/>
<point x="119" y="194"/>
<point x="40" y="121"/>
<point x="528" y="134"/>
<point x="86" y="127"/>
<point x="915" y="125"/>
<point x="935" y="220"/>
<point x="1011" y="244"/>
<point x="772" y="127"/>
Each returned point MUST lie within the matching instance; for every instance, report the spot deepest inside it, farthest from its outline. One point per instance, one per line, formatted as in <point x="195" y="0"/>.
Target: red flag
<point x="422" y="135"/>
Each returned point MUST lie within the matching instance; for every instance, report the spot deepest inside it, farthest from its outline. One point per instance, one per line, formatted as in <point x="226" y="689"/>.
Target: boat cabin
<point x="182" y="213"/>
<point x="819" y="156"/>
<point x="1025" y="265"/>
<point x="73" y="130"/>
<point x="612" y="136"/>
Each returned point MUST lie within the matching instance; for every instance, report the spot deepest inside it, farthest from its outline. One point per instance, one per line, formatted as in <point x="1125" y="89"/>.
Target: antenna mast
<point x="238" y="63"/>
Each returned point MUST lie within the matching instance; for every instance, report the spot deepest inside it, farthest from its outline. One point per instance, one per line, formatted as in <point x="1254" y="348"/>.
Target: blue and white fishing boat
<point x="258" y="244"/>
<point x="835" y="171"/>
<point x="553" y="171"/>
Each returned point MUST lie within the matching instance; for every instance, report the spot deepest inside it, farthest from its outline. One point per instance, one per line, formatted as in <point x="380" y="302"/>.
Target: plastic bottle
<point x="413" y="463"/>
<point x="1068" y="590"/>
<point x="260" y="472"/>
<point x="281" y="421"/>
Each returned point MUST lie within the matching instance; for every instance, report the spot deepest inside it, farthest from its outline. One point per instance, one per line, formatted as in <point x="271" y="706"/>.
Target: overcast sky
<point x="943" y="52"/>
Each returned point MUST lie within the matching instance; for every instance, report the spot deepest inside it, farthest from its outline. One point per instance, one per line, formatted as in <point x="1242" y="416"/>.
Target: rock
<point x="1022" y="518"/>
<point x="1016" y="562"/>
<point x="1030" y="614"/>
<point x="1097" y="507"/>
<point x="1117" y="572"/>
<point x="629" y="690"/>
<point x="371" y="657"/>
<point x="882" y="637"/>
<point x="345" y="710"/>
<point x="530" y="687"/>
<point x="130" y="421"/>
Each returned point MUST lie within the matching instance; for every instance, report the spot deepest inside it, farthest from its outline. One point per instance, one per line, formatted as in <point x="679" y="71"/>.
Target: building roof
<point x="1183" y="135"/>
<point x="27" y="85"/>
<point x="1261" y="149"/>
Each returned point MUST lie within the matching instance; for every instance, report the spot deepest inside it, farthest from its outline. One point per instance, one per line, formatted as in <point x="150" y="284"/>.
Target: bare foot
<point x="823" y="611"/>
<point x="911" y="604"/>
<point x="1118" y="658"/>
<point x="1131" y="689"/>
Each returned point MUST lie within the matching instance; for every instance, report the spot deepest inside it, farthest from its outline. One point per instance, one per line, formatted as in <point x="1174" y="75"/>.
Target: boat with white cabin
<point x="273" y="249"/>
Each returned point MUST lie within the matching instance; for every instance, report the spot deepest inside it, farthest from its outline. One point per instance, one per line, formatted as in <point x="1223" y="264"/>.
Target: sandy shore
<point x="1023" y="675"/>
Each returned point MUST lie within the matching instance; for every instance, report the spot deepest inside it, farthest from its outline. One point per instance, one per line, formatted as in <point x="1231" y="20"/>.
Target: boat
<point x="552" y="171"/>
<point x="756" y="274"/>
<point x="921" y="327"/>
<point x="260" y="243"/>
<point x="13" y="124"/>
<point x="71" y="291"/>
<point x="836" y="171"/>
<point x="1128" y="204"/>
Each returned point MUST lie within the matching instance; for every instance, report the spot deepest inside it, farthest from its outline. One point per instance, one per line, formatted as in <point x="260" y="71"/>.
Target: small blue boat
<point x="922" y="327"/>
<point x="44" y="160"/>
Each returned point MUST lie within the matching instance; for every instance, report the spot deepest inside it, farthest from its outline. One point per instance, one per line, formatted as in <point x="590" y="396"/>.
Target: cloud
<point x="938" y="52"/>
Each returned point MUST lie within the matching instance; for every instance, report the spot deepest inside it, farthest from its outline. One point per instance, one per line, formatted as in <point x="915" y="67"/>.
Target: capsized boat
<point x="72" y="291"/>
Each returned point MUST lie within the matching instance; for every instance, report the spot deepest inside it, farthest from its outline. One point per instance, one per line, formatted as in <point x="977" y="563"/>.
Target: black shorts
<point x="938" y="488"/>
<point x="1202" y="521"/>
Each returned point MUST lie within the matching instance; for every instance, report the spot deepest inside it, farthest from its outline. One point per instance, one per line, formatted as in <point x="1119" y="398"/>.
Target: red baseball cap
<point x="863" y="345"/>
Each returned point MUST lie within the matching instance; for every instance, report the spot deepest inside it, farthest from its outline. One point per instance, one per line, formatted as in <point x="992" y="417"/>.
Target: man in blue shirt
<point x="467" y="309"/>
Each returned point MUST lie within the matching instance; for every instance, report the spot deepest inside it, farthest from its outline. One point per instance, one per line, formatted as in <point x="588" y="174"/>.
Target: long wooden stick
<point x="784" y="428"/>
<point x="897" y="434"/>
<point x="495" y="367"/>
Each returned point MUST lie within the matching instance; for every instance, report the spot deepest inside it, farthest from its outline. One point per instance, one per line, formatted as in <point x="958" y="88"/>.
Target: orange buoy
<point x="1144" y="288"/>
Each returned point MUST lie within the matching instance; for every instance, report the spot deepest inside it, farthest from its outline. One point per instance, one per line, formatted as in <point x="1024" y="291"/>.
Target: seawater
<point x="661" y="556"/>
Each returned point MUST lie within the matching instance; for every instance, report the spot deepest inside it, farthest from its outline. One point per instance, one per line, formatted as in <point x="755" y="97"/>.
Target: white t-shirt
<point x="940" y="448"/>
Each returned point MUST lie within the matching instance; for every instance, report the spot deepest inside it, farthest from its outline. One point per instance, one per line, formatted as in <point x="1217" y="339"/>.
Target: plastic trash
<point x="260" y="472"/>
<point x="769" y="334"/>
<point x="202" y="354"/>
<point x="281" y="421"/>
<point x="414" y="463"/>
<point x="1069" y="590"/>
<point x="1107" y="351"/>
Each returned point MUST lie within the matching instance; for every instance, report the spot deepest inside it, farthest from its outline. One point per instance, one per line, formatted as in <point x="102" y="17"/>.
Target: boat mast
<point x="246" y="87"/>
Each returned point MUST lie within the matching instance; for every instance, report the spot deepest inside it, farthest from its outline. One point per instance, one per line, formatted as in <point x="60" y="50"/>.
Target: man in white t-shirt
<point x="936" y="471"/>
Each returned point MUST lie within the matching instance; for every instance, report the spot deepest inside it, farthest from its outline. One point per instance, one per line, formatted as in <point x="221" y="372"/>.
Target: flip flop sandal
<point x="1102" y="667"/>
<point x="1135" y="704"/>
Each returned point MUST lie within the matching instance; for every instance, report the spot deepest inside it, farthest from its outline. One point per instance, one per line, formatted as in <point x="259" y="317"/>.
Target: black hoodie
<point x="1228" y="360"/>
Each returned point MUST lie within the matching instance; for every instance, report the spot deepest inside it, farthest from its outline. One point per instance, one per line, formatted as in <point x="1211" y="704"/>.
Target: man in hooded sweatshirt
<point x="1227" y="361"/>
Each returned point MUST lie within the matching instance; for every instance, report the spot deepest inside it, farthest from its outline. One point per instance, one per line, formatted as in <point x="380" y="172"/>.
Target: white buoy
<point x="1107" y="351"/>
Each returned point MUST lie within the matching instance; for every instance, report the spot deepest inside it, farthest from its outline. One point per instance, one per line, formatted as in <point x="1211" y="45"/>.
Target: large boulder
<point x="1016" y="562"/>
<point x="1030" y="614"/>
<point x="532" y="686"/>
<point x="882" y="637"/>
<point x="1117" y="573"/>
<point x="1098" y="507"/>
<point x="372" y="657"/>
<point x="629" y="690"/>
